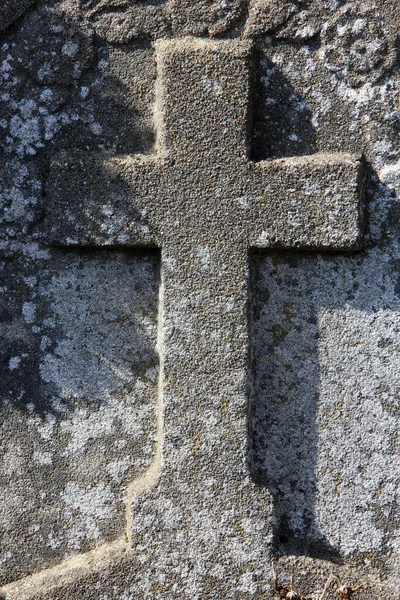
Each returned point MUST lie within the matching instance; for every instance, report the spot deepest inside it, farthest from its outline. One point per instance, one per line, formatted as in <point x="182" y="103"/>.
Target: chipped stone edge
<point x="98" y="559"/>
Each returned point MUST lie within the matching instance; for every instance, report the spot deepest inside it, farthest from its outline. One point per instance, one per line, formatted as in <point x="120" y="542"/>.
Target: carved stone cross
<point x="196" y="515"/>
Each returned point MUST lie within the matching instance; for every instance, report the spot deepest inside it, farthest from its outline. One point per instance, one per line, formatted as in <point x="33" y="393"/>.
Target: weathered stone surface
<point x="203" y="17"/>
<point x="267" y="16"/>
<point x="123" y="21"/>
<point x="324" y="417"/>
<point x="306" y="202"/>
<point x="11" y="10"/>
<point x="341" y="437"/>
<point x="78" y="400"/>
<point x="313" y="201"/>
<point x="52" y="50"/>
<point x="358" y="45"/>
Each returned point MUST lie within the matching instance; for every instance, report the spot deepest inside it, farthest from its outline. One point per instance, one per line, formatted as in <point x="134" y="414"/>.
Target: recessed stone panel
<point x="325" y="417"/>
<point x="78" y="396"/>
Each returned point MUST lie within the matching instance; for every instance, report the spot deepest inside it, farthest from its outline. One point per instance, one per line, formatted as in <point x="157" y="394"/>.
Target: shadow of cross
<point x="206" y="205"/>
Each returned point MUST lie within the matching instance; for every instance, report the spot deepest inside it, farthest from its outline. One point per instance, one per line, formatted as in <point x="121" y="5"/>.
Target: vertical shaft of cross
<point x="205" y="362"/>
<point x="205" y="265"/>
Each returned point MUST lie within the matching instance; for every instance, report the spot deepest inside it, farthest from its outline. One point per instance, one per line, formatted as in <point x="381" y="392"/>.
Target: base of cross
<point x="223" y="551"/>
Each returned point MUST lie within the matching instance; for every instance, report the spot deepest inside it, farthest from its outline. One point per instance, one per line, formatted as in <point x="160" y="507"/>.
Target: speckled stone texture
<point x="78" y="354"/>
<point x="199" y="298"/>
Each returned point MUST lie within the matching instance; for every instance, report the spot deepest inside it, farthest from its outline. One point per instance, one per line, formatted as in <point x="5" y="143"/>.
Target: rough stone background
<point x="78" y="357"/>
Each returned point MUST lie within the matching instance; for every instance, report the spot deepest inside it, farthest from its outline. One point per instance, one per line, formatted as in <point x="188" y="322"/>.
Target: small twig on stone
<point x="346" y="592"/>
<point x="327" y="584"/>
<point x="286" y="593"/>
<point x="291" y="592"/>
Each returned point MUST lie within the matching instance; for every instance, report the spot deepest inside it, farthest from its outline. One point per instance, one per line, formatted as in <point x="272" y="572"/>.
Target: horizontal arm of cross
<point x="300" y="202"/>
<point x="307" y="202"/>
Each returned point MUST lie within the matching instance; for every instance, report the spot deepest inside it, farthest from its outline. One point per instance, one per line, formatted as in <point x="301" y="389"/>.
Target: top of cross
<point x="202" y="110"/>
